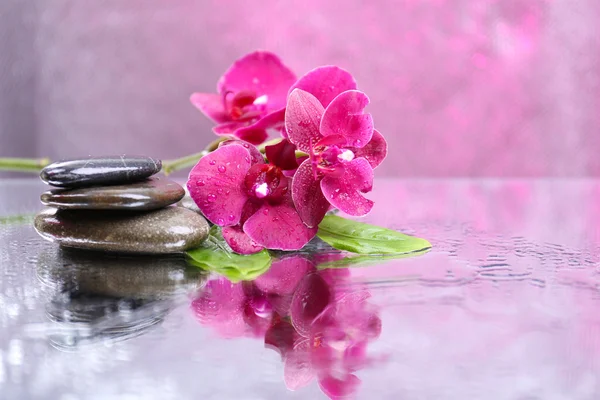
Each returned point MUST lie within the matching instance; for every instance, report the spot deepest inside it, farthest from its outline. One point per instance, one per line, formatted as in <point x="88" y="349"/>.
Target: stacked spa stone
<point x="117" y="204"/>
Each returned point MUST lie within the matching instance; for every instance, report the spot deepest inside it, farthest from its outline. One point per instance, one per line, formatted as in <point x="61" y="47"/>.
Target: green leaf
<point x="215" y="255"/>
<point x="367" y="260"/>
<point x="361" y="238"/>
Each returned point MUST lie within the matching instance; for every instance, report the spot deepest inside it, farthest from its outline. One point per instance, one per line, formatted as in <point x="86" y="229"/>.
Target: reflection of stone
<point x="99" y="297"/>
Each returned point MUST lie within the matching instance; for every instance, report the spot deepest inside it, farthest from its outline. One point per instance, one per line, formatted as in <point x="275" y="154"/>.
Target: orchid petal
<point x="375" y="151"/>
<point x="262" y="73"/>
<point x="221" y="306"/>
<point x="216" y="184"/>
<point x="344" y="192"/>
<point x="229" y="128"/>
<point x="297" y="370"/>
<point x="282" y="154"/>
<point x="256" y="133"/>
<point x="280" y="337"/>
<point x="284" y="275"/>
<point x="344" y="116"/>
<point x="307" y="195"/>
<point x="311" y="297"/>
<point x="336" y="388"/>
<point x="279" y="227"/>
<point x="239" y="241"/>
<point x="302" y="119"/>
<point x="325" y="83"/>
<point x="255" y="156"/>
<point x="210" y="105"/>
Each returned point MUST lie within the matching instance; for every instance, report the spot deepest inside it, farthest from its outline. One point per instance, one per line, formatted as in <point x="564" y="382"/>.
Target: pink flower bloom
<point x="234" y="188"/>
<point x="251" y="97"/>
<point x="327" y="121"/>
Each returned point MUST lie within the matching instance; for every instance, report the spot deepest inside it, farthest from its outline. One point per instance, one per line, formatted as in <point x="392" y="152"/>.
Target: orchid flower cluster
<point x="324" y="159"/>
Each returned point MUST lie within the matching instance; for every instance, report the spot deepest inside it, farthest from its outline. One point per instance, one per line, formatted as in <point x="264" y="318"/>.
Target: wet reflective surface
<point x="505" y="306"/>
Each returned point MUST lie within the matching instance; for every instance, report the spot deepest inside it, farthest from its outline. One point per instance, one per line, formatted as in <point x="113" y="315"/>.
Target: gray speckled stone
<point x="100" y="171"/>
<point x="169" y="230"/>
<point x="151" y="194"/>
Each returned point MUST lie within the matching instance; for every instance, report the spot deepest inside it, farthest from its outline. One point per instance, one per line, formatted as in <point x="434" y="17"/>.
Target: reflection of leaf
<point x="215" y="255"/>
<point x="361" y="238"/>
<point x="16" y="219"/>
<point x="367" y="260"/>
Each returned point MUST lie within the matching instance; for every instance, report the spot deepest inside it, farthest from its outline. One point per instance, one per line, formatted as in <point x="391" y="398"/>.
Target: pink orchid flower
<point x="324" y="118"/>
<point x="251" y="97"/>
<point x="235" y="189"/>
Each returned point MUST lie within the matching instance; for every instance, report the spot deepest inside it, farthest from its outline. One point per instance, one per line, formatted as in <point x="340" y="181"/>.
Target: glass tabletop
<point x="504" y="306"/>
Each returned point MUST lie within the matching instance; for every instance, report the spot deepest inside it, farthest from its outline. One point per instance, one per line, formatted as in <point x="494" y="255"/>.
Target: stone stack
<point x="117" y="204"/>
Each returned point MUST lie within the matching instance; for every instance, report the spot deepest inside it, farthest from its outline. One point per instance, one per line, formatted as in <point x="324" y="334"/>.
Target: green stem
<point x="170" y="166"/>
<point x="23" y="164"/>
<point x="16" y="219"/>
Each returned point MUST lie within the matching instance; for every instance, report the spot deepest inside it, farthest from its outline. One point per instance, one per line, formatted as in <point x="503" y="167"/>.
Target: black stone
<point x="105" y="170"/>
<point x="150" y="194"/>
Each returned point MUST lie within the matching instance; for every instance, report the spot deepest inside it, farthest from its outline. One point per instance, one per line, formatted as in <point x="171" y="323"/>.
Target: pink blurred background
<point x="459" y="87"/>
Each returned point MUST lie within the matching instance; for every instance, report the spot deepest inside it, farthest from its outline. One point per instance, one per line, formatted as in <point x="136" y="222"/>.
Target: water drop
<point x="231" y="217"/>
<point x="220" y="221"/>
<point x="246" y="145"/>
<point x="222" y="169"/>
<point x="200" y="182"/>
<point x="212" y="162"/>
<point x="219" y="190"/>
<point x="247" y="159"/>
<point x="211" y="198"/>
<point x="266" y="211"/>
<point x="227" y="191"/>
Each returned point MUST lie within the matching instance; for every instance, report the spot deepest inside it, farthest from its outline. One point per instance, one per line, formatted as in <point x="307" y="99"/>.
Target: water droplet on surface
<point x="200" y="182"/>
<point x="231" y="217"/>
<point x="211" y="198"/>
<point x="219" y="190"/>
<point x="222" y="169"/>
<point x="266" y="211"/>
<point x="220" y="221"/>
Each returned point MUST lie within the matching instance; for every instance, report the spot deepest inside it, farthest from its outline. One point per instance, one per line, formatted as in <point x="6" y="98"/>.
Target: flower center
<point x="266" y="181"/>
<point x="245" y="104"/>
<point x="330" y="159"/>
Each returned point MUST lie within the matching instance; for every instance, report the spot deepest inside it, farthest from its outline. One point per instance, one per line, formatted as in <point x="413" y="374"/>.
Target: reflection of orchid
<point x="320" y="328"/>
<point x="251" y="99"/>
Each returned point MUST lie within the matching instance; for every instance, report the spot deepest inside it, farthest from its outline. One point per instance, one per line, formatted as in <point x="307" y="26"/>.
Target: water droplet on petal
<point x="222" y="169"/>
<point x="211" y="198"/>
<point x="266" y="211"/>
<point x="231" y="217"/>
<point x="200" y="182"/>
<point x="246" y="145"/>
<point x="212" y="162"/>
<point x="219" y="190"/>
<point x="220" y="221"/>
<point x="227" y="191"/>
